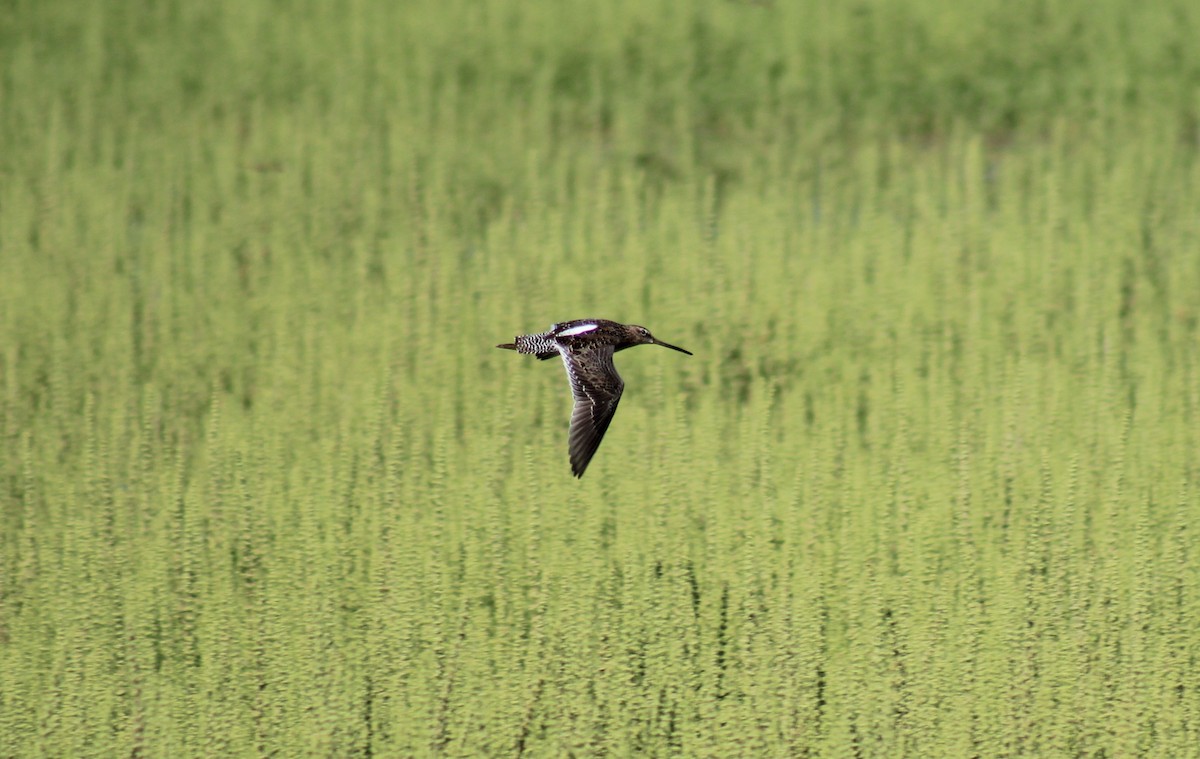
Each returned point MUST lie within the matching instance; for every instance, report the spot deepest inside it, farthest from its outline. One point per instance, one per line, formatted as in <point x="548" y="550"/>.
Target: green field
<point x="930" y="486"/>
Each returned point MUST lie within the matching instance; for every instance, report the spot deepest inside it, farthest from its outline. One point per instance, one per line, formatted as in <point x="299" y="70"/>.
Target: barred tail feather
<point x="535" y="344"/>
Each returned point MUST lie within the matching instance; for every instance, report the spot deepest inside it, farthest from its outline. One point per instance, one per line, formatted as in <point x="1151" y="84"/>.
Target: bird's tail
<point x="534" y="344"/>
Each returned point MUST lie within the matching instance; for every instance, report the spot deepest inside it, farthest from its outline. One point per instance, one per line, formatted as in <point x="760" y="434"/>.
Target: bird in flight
<point x="587" y="347"/>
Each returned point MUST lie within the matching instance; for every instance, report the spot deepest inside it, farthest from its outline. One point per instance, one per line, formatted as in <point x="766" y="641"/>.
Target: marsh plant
<point x="927" y="488"/>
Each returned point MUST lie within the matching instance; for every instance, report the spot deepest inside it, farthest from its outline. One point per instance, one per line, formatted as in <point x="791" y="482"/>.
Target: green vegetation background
<point x="927" y="488"/>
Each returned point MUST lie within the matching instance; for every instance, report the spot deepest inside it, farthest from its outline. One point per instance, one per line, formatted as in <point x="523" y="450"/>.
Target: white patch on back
<point x="577" y="330"/>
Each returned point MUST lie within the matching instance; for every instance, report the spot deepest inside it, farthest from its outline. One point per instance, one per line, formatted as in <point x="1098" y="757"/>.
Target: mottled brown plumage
<point x="587" y="347"/>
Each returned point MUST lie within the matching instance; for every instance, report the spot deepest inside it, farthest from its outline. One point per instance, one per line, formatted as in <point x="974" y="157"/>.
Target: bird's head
<point x="639" y="335"/>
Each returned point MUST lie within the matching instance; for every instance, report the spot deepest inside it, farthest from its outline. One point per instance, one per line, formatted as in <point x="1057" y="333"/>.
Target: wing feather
<point x="597" y="389"/>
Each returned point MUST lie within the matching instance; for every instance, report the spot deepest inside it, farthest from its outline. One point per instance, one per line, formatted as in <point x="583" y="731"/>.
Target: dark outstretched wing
<point x="597" y="389"/>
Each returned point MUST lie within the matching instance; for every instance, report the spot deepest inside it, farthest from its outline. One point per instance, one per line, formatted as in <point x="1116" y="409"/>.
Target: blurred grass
<point x="925" y="489"/>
